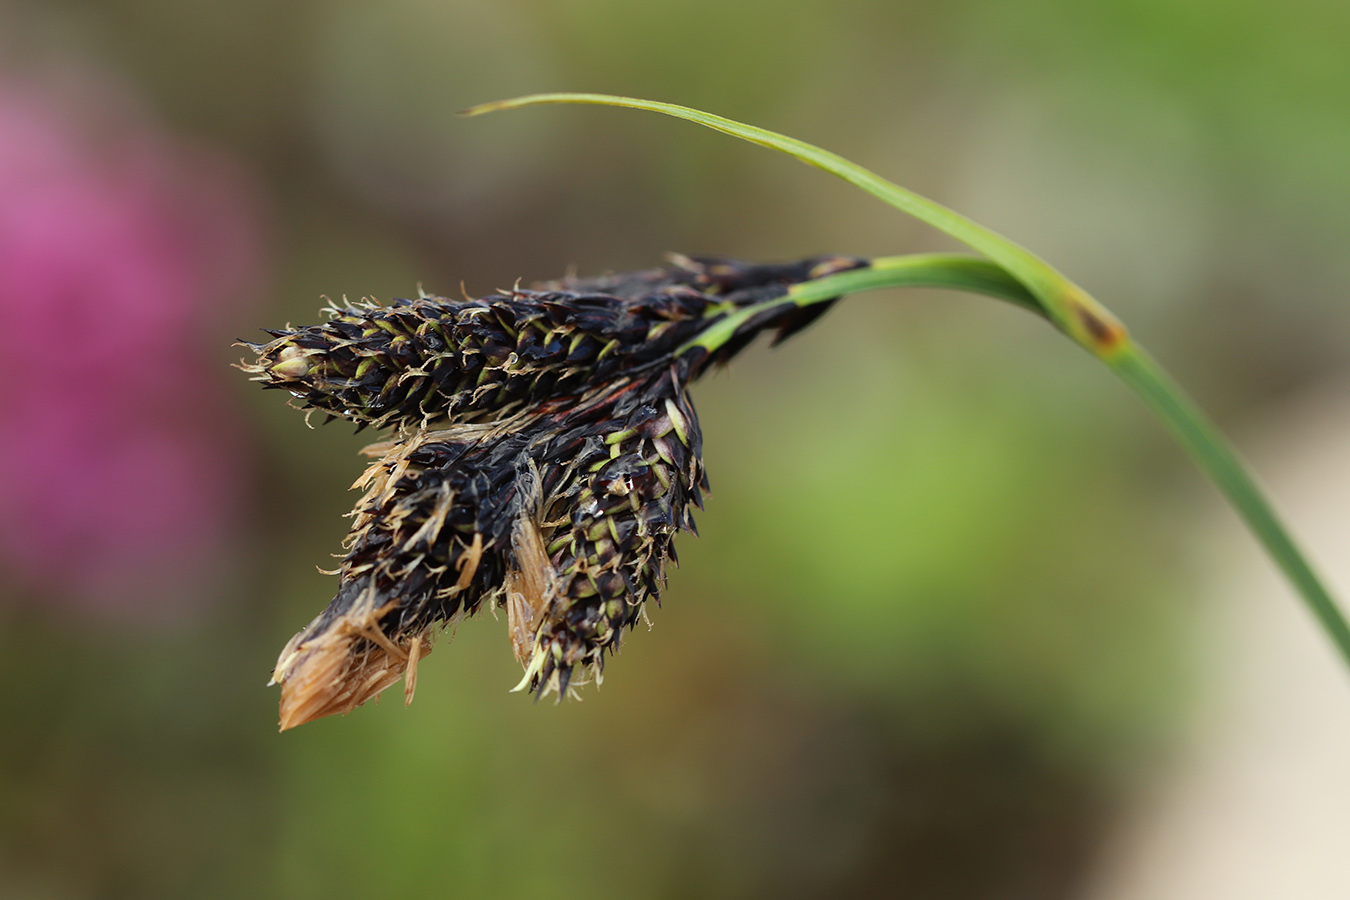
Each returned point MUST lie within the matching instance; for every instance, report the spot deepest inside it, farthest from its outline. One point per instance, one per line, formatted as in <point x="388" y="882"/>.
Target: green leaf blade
<point x="1066" y="305"/>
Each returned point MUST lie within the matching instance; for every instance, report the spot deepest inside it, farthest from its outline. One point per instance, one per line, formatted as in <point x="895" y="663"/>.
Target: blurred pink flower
<point x="120" y="459"/>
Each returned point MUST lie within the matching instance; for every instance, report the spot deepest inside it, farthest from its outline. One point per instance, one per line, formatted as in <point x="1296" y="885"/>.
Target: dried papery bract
<point x="341" y="664"/>
<point x="553" y="486"/>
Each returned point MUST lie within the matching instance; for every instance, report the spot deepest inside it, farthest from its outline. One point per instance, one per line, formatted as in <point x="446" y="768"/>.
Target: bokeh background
<point x="948" y="621"/>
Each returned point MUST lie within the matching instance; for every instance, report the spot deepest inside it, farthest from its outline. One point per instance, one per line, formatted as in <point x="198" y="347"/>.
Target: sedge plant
<point x="544" y="450"/>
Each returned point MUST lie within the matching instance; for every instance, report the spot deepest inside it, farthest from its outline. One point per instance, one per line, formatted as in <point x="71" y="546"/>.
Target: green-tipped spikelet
<point x="525" y="474"/>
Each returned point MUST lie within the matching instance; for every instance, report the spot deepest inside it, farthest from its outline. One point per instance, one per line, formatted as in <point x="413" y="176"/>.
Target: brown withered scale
<point x="544" y="453"/>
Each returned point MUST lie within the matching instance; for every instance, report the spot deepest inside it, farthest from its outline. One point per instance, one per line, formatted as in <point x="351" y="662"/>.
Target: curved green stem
<point x="1221" y="462"/>
<point x="1015" y="274"/>
<point x="939" y="270"/>
<point x="1065" y="304"/>
<point x="1131" y="363"/>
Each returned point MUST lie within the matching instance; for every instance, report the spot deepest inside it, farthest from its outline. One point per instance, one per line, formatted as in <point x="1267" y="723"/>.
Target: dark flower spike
<point x="418" y="361"/>
<point x="565" y="516"/>
<point x="562" y="509"/>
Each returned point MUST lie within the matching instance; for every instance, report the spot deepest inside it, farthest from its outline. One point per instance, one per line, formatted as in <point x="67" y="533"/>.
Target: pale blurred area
<point x="1254" y="805"/>
<point x="962" y="622"/>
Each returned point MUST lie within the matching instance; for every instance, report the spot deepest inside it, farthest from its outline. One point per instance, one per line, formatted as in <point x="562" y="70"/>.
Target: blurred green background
<point x="938" y="628"/>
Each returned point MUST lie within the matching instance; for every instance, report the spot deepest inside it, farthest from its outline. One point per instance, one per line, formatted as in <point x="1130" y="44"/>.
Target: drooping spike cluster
<point x="547" y="453"/>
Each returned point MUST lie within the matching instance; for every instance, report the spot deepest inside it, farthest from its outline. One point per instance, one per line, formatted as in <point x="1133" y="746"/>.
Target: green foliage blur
<point x="938" y="624"/>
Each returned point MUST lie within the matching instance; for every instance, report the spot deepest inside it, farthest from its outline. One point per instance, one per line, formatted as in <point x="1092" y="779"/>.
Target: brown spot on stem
<point x="1105" y="333"/>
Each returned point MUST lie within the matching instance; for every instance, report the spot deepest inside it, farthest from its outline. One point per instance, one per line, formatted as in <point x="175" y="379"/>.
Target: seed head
<point x="416" y="361"/>
<point x="546" y="455"/>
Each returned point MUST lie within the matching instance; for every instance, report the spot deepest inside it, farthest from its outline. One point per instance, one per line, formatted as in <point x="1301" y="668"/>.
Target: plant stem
<point x="1068" y="306"/>
<point x="1211" y="451"/>
<point x="1220" y="461"/>
<point x="940" y="270"/>
<point x="1016" y="274"/>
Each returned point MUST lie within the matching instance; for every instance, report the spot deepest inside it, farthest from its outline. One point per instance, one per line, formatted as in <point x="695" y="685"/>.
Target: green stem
<point x="1220" y="461"/>
<point x="1070" y="308"/>
<point x="1018" y="275"/>
<point x="1130" y="362"/>
<point x="938" y="270"/>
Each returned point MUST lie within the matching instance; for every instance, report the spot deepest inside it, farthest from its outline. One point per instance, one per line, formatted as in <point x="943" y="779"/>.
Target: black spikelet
<point x="550" y="482"/>
<point x="417" y="361"/>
